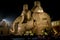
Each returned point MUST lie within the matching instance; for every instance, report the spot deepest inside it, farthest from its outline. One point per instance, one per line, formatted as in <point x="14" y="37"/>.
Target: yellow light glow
<point x="40" y="11"/>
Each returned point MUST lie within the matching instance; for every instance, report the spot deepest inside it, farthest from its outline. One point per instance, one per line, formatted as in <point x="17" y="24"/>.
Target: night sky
<point x="11" y="9"/>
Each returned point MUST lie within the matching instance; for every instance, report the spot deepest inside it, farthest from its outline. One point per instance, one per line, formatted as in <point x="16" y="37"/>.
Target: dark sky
<point x="11" y="9"/>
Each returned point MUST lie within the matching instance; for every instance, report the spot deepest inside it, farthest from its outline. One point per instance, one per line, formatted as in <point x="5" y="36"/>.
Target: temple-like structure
<point x="33" y="21"/>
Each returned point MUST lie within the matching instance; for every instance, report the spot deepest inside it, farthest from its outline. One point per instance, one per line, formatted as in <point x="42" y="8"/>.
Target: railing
<point x="55" y="23"/>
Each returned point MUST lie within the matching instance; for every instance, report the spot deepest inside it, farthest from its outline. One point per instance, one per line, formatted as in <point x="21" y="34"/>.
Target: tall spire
<point x="37" y="7"/>
<point x="25" y="7"/>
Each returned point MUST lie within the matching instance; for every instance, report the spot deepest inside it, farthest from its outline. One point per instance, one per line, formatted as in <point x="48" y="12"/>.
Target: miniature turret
<point x="37" y="7"/>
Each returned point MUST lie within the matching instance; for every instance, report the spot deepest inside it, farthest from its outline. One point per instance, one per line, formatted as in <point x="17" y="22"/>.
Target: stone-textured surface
<point x="42" y="21"/>
<point x="36" y="22"/>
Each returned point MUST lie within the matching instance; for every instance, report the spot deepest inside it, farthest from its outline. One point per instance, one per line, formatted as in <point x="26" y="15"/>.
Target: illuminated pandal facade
<point x="32" y="21"/>
<point x="4" y="28"/>
<point x="56" y="27"/>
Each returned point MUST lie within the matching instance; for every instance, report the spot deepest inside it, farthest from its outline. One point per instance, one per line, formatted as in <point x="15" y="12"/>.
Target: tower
<point x="41" y="19"/>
